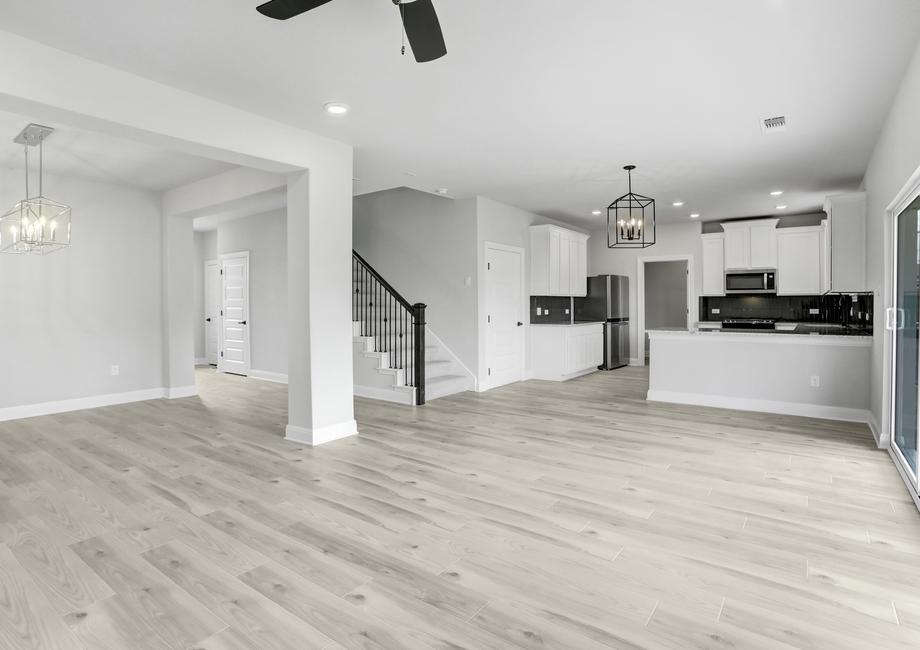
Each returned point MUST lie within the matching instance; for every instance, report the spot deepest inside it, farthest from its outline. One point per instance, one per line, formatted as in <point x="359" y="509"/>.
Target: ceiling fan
<point x="418" y="16"/>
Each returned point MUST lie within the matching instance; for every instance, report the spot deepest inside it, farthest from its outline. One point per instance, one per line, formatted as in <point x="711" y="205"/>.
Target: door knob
<point x="520" y="323"/>
<point x="242" y="322"/>
<point x="208" y="320"/>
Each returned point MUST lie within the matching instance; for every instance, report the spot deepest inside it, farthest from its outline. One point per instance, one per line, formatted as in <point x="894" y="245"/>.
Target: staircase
<point x="390" y="335"/>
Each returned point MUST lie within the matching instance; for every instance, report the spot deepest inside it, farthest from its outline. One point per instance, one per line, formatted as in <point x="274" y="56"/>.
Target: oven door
<point x="751" y="282"/>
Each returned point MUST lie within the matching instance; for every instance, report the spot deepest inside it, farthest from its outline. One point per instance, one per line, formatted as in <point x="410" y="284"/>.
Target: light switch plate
<point x="539" y="311"/>
<point x="814" y="312"/>
<point x="716" y="311"/>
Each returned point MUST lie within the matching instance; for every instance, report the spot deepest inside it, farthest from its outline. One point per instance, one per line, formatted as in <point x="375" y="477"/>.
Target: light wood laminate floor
<point x="538" y="515"/>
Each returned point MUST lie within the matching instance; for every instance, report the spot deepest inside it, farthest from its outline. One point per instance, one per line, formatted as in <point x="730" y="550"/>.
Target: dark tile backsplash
<point x="556" y="306"/>
<point x="835" y="308"/>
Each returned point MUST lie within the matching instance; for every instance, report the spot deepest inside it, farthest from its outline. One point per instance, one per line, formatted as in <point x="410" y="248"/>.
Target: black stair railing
<point x="396" y="325"/>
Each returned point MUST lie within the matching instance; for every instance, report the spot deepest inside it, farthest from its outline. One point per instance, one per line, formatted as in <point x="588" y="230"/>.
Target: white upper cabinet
<point x="798" y="261"/>
<point x="750" y="244"/>
<point x="846" y="221"/>
<point x="713" y="264"/>
<point x="558" y="262"/>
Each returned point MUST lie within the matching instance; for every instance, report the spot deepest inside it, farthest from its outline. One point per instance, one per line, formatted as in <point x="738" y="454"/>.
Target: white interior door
<point x="235" y="308"/>
<point x="212" y="307"/>
<point x="504" y="315"/>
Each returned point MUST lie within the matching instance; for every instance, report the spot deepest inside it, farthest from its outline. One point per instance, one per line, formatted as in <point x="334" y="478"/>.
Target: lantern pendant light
<point x="36" y="225"/>
<point x="631" y="219"/>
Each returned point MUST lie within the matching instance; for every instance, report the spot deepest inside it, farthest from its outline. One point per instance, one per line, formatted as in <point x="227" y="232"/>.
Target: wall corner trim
<point x="321" y="435"/>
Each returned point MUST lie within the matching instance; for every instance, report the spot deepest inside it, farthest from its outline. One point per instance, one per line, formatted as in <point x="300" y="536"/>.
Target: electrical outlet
<point x="566" y="312"/>
<point x="539" y="311"/>
<point x="814" y="312"/>
<point x="546" y="312"/>
<point x="114" y="370"/>
<point x="716" y="311"/>
<point x="815" y="381"/>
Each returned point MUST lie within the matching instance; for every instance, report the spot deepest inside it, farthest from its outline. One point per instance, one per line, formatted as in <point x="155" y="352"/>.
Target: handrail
<point x="396" y="326"/>
<point x="386" y="285"/>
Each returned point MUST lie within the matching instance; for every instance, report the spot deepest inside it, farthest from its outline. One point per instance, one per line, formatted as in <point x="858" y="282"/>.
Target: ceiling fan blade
<point x="284" y="9"/>
<point x="423" y="30"/>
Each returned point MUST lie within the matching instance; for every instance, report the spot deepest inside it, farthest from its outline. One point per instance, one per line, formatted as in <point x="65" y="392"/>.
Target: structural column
<point x="178" y="312"/>
<point x="320" y="371"/>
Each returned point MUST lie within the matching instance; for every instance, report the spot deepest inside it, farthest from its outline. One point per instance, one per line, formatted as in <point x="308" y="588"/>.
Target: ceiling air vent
<point x="772" y="125"/>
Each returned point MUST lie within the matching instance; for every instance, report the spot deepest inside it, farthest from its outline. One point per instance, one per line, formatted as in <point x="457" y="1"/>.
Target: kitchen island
<point x="822" y="372"/>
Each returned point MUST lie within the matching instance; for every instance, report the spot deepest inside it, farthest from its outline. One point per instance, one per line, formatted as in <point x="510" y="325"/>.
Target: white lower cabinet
<point x="561" y="352"/>
<point x="713" y="264"/>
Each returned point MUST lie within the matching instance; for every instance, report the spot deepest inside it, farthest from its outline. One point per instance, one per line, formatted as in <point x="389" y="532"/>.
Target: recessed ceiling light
<point x="695" y="215"/>
<point x="781" y="207"/>
<point x="411" y="174"/>
<point x="336" y="108"/>
<point x="678" y="204"/>
<point x="597" y="213"/>
<point x="441" y="190"/>
<point x="776" y="193"/>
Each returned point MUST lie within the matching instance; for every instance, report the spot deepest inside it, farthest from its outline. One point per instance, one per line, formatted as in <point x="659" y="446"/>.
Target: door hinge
<point x="488" y="319"/>
<point x="488" y="266"/>
<point x="221" y="353"/>
<point x="221" y="312"/>
<point x="221" y="271"/>
<point x="490" y="372"/>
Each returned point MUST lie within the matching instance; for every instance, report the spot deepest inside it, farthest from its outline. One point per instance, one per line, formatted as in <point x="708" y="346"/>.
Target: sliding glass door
<point x="906" y="327"/>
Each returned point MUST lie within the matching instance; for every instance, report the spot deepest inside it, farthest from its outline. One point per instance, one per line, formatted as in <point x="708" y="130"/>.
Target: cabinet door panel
<point x="737" y="247"/>
<point x="763" y="246"/>
<point x="713" y="266"/>
<point x="565" y="267"/>
<point x="555" y="274"/>
<point x="798" y="263"/>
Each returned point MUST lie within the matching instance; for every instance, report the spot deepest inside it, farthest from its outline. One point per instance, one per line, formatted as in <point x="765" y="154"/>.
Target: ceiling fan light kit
<point x="420" y="23"/>
<point x="36" y="225"/>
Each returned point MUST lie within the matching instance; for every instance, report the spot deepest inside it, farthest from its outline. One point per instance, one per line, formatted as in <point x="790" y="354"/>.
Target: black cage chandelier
<point x="631" y="219"/>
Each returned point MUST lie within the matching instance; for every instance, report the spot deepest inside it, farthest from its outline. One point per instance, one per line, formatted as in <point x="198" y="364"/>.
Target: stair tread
<point x="442" y="378"/>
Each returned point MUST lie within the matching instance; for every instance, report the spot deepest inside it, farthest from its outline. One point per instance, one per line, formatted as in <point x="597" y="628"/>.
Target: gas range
<point x="748" y="324"/>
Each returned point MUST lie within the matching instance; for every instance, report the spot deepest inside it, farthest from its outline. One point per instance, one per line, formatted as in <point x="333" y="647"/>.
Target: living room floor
<point x="571" y="515"/>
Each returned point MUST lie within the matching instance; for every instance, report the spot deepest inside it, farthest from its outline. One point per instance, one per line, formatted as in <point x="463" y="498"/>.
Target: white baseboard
<point x="403" y="396"/>
<point x="264" y="375"/>
<point x="201" y="361"/>
<point x="81" y="403"/>
<point x="763" y="406"/>
<point x="322" y="435"/>
<point x="636" y="362"/>
<point x="882" y="439"/>
<point x="178" y="392"/>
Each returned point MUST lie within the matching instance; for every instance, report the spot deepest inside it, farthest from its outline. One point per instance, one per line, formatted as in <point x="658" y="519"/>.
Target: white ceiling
<point x="539" y="103"/>
<point x="96" y="157"/>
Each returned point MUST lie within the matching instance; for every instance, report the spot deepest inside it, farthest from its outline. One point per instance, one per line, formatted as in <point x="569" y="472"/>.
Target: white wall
<point x="425" y="247"/>
<point x="671" y="239"/>
<point x="265" y="238"/>
<point x="69" y="316"/>
<point x="896" y="157"/>
<point x="205" y="250"/>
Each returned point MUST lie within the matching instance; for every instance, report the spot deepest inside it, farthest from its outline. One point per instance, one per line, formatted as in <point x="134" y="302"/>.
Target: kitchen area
<point x="780" y="316"/>
<point x="785" y="319"/>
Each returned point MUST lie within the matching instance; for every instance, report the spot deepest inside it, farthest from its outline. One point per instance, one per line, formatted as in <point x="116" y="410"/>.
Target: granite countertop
<point x="825" y="329"/>
<point x="575" y="324"/>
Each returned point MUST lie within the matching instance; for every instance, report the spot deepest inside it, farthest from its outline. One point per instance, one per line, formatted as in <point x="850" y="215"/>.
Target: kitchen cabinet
<point x="562" y="352"/>
<point x="558" y="262"/>
<point x="750" y="244"/>
<point x="825" y="257"/>
<point x="798" y="261"/>
<point x="846" y="234"/>
<point x="713" y="264"/>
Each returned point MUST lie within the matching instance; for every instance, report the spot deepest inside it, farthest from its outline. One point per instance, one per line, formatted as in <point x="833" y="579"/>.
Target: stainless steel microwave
<point x="763" y="281"/>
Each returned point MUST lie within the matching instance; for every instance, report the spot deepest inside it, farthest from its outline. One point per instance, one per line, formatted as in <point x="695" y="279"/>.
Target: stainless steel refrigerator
<point x="608" y="302"/>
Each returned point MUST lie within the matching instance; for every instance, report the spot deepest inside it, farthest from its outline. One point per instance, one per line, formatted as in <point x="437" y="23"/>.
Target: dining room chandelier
<point x="36" y="225"/>
<point x="631" y="219"/>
